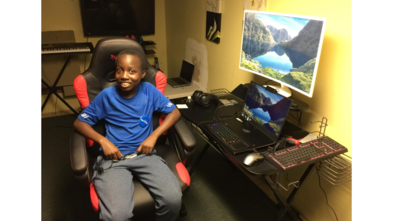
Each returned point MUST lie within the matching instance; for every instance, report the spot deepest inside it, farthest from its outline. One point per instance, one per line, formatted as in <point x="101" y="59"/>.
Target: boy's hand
<point x="111" y="152"/>
<point x="147" y="145"/>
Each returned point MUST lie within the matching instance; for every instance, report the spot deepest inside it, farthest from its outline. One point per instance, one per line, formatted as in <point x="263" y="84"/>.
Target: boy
<point x="127" y="109"/>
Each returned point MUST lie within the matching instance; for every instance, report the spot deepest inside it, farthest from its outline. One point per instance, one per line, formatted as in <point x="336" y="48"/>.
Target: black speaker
<point x="204" y="99"/>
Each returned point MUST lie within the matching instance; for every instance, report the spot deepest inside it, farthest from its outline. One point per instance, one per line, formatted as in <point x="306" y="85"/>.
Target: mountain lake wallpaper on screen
<point x="281" y="47"/>
<point x="266" y="108"/>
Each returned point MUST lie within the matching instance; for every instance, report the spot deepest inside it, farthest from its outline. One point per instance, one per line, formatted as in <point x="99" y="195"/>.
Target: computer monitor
<point x="118" y="18"/>
<point x="283" y="48"/>
<point x="187" y="69"/>
<point x="267" y="109"/>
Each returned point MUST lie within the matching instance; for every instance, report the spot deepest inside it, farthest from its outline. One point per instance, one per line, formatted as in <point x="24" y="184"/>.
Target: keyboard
<point x="67" y="48"/>
<point x="306" y="153"/>
<point x="178" y="80"/>
<point x="227" y="136"/>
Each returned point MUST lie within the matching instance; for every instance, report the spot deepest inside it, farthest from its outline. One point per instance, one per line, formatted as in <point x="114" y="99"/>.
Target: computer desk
<point x="180" y="92"/>
<point x="197" y="115"/>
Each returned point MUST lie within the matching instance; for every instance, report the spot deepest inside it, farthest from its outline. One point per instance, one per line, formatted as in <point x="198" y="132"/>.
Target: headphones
<point x="204" y="99"/>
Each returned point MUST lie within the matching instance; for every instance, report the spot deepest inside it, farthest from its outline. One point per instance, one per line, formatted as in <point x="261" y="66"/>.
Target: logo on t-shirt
<point x="169" y="104"/>
<point x="144" y="120"/>
<point x="84" y="115"/>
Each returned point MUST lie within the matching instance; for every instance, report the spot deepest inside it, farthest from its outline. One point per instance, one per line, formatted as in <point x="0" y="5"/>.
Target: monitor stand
<point x="281" y="90"/>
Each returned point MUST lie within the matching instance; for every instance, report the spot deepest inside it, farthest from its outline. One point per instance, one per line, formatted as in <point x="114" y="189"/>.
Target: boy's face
<point x="129" y="73"/>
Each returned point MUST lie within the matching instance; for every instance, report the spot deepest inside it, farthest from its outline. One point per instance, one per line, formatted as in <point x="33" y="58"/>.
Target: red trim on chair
<point x="80" y="89"/>
<point x="89" y="142"/>
<point x="94" y="197"/>
<point x="160" y="85"/>
<point x="183" y="173"/>
<point x="160" y="81"/>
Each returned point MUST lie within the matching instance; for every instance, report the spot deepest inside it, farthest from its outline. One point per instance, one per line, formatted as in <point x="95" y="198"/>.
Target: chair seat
<point x="144" y="202"/>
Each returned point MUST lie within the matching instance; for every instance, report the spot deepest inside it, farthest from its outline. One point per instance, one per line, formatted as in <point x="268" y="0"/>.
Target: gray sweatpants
<point x="115" y="188"/>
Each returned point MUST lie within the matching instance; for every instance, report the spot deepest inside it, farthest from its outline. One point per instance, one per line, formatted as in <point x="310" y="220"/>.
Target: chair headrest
<point x="101" y="72"/>
<point x="105" y="52"/>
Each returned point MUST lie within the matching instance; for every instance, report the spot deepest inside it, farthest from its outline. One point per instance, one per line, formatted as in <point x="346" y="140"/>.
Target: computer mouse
<point x="251" y="158"/>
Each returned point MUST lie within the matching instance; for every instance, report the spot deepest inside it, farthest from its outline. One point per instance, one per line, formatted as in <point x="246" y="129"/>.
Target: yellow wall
<point x="65" y="15"/>
<point x="178" y="20"/>
<point x="332" y="95"/>
<point x="332" y="99"/>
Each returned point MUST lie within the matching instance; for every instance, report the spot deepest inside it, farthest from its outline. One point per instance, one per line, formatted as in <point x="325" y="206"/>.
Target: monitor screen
<point x="187" y="70"/>
<point x="119" y="17"/>
<point x="283" y="48"/>
<point x="265" y="108"/>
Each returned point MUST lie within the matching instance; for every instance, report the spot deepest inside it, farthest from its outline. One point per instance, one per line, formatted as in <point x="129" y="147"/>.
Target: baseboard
<point x="302" y="217"/>
<point x="58" y="113"/>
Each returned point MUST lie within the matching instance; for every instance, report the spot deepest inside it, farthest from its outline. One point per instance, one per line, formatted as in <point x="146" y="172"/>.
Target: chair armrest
<point x="185" y="135"/>
<point x="78" y="155"/>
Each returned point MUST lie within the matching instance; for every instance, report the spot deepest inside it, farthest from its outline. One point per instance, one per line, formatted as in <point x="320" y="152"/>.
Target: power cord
<point x="319" y="181"/>
<point x="267" y="82"/>
<point x="279" y="143"/>
<point x="56" y="107"/>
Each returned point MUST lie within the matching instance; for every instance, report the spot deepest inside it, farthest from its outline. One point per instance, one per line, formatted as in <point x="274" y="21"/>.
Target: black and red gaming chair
<point x="83" y="154"/>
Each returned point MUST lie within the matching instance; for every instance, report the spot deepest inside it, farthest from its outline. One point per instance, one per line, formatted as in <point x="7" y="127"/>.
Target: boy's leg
<point x="156" y="176"/>
<point x="115" y="190"/>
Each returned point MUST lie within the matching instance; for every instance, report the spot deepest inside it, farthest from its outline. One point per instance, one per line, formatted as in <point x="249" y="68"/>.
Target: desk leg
<point x="287" y="203"/>
<point x="193" y="167"/>
<point x="304" y="176"/>
<point x="286" y="206"/>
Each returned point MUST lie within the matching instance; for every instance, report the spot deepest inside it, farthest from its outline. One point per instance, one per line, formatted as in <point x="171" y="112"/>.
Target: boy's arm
<point x="111" y="152"/>
<point x="147" y="145"/>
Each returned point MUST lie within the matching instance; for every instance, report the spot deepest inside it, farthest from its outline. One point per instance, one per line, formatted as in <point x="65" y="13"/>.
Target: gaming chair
<point x="83" y="152"/>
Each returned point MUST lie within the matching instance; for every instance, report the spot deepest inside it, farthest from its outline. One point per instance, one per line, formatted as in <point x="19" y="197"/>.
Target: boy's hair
<point x="142" y="57"/>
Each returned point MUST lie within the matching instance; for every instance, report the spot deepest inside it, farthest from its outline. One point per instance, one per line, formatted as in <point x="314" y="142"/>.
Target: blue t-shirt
<point x="124" y="127"/>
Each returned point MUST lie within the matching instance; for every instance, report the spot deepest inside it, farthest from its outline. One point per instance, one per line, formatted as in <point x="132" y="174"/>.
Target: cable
<point x="267" y="82"/>
<point x="46" y="76"/>
<point x="278" y="144"/>
<point x="287" y="177"/>
<point x="319" y="180"/>
<point x="55" y="107"/>
<point x="294" y="117"/>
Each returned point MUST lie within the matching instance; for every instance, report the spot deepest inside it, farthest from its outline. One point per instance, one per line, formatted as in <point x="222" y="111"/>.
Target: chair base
<point x="183" y="210"/>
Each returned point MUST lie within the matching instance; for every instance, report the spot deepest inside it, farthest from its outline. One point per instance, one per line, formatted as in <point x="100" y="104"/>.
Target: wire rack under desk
<point x="220" y="92"/>
<point x="336" y="170"/>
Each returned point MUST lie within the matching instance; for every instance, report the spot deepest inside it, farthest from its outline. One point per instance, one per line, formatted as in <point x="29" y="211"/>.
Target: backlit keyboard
<point x="306" y="153"/>
<point x="178" y="80"/>
<point x="226" y="135"/>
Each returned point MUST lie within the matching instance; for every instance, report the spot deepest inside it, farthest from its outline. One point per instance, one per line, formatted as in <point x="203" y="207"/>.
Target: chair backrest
<point x="101" y="71"/>
<point x="100" y="75"/>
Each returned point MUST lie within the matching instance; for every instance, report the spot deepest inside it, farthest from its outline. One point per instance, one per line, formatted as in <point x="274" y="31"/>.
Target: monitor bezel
<point x="119" y="32"/>
<point x="310" y="94"/>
